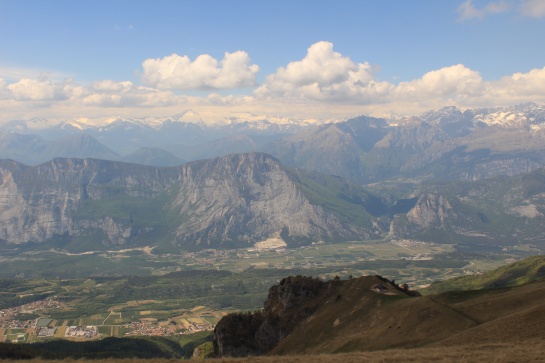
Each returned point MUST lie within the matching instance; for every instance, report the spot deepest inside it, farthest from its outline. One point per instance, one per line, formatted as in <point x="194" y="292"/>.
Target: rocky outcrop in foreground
<point x="289" y="304"/>
<point x="307" y="316"/>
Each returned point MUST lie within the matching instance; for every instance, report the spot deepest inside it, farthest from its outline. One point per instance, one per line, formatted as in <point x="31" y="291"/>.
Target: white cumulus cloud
<point x="205" y="72"/>
<point x="445" y="83"/>
<point x="324" y="82"/>
<point x="325" y="76"/>
<point x="38" y="90"/>
<point x="112" y="86"/>
<point x="519" y="87"/>
<point x="322" y="74"/>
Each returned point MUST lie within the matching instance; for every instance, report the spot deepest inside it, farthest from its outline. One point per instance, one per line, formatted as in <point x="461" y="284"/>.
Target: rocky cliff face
<point x="495" y="211"/>
<point x="430" y="210"/>
<point x="249" y="197"/>
<point x="449" y="217"/>
<point x="38" y="203"/>
<point x="233" y="200"/>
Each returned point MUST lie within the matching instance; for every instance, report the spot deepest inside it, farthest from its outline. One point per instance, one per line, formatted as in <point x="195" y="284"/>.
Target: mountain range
<point x="235" y="200"/>
<point x="447" y="144"/>
<point x="448" y="176"/>
<point x="241" y="199"/>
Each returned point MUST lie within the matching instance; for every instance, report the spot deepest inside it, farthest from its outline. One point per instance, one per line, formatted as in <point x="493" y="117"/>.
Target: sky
<point x="96" y="60"/>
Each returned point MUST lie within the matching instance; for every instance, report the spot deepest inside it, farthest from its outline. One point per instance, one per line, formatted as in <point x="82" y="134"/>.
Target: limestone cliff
<point x="249" y="197"/>
<point x="39" y="203"/>
<point x="432" y="211"/>
<point x="235" y="200"/>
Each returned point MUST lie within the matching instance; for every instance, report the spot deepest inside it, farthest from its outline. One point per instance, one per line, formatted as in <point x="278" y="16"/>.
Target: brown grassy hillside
<point x="354" y="316"/>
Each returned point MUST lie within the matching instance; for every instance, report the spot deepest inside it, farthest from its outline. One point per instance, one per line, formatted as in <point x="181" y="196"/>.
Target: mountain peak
<point x="189" y="116"/>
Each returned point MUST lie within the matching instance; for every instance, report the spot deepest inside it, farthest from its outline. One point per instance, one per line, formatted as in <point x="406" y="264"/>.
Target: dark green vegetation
<point x="184" y="289"/>
<point x="138" y="347"/>
<point x="345" y="199"/>
<point x="217" y="289"/>
<point x="205" y="350"/>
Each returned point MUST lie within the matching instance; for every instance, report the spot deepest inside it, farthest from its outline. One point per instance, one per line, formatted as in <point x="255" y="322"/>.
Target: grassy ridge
<point x="519" y="273"/>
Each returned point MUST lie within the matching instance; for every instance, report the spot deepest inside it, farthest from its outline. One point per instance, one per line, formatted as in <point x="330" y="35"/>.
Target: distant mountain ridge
<point x="32" y="149"/>
<point x="445" y="144"/>
<point x="450" y="176"/>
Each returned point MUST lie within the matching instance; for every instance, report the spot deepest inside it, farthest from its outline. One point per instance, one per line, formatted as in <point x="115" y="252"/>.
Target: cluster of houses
<point x="146" y="328"/>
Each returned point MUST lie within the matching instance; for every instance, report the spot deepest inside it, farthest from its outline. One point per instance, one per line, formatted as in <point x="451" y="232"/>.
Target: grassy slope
<point x="528" y="351"/>
<point x="348" y="201"/>
<point x="363" y="320"/>
<point x="518" y="273"/>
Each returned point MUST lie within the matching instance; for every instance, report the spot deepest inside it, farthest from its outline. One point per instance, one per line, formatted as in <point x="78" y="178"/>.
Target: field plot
<point x="198" y="309"/>
<point x="60" y="332"/>
<point x="112" y="319"/>
<point x="43" y="322"/>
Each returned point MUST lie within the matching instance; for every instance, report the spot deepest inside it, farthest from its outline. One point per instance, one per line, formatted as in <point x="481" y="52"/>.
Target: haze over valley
<point x="199" y="179"/>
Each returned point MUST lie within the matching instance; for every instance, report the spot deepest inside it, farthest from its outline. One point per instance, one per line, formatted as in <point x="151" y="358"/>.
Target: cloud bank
<point x="324" y="83"/>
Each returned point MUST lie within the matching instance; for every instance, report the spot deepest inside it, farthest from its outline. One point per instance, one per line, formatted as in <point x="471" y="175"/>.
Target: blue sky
<point x="300" y="59"/>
